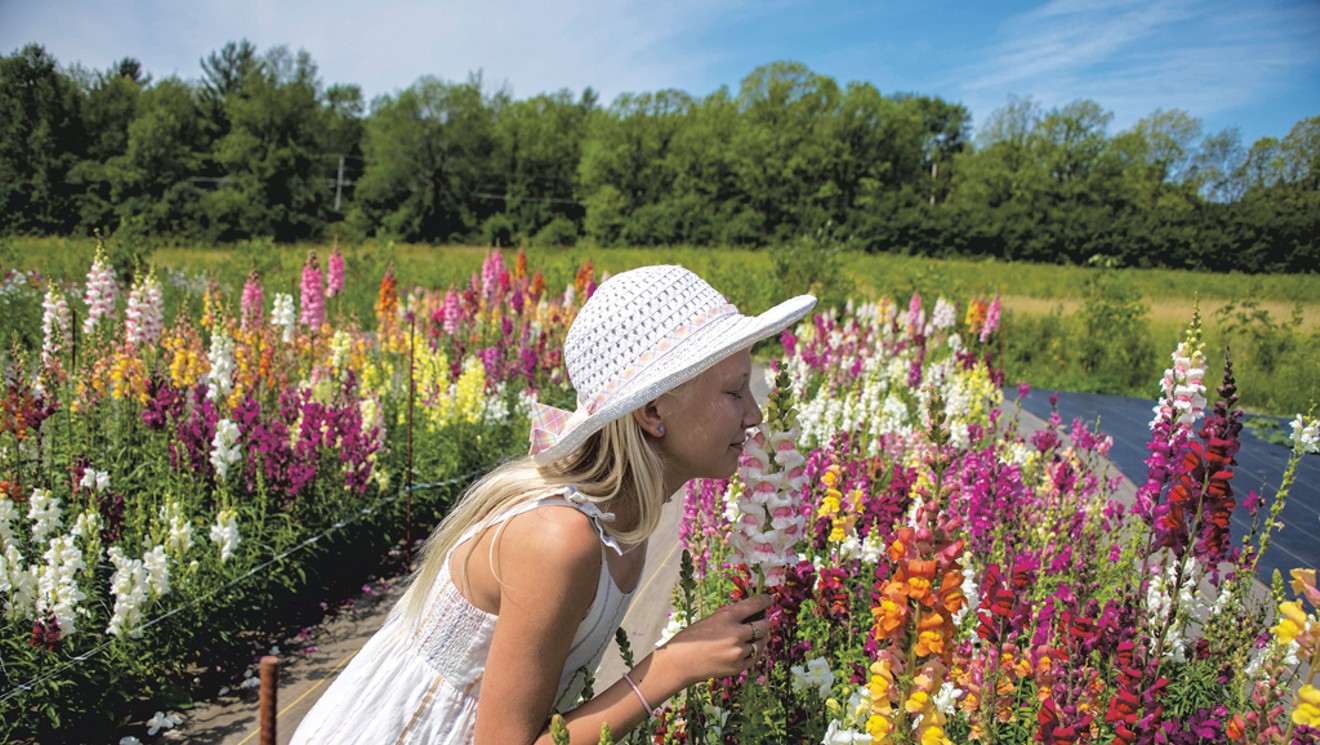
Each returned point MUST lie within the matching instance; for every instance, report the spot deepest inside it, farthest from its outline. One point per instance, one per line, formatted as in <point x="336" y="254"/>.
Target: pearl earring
<point x="660" y="428"/>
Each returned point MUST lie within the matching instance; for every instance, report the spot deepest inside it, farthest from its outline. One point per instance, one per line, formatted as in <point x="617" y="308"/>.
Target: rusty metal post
<point x="270" y="682"/>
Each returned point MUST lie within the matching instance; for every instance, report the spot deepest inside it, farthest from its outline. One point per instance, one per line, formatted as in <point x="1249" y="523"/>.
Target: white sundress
<point x="420" y="684"/>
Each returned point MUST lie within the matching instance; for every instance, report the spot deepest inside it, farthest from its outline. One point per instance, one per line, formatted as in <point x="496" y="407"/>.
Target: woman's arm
<point x="549" y="563"/>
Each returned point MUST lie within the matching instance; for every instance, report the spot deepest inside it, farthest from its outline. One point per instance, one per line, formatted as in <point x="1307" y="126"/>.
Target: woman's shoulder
<point x="556" y="534"/>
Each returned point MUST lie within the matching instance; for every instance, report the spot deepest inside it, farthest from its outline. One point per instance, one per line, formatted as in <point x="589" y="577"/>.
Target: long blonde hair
<point x="614" y="464"/>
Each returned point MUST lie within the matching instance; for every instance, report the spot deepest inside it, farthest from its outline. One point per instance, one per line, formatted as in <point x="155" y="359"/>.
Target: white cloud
<point x="385" y="46"/>
<point x="1135" y="56"/>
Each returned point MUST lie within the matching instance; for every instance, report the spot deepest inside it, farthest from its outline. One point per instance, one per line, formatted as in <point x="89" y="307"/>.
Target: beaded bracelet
<point x="649" y="709"/>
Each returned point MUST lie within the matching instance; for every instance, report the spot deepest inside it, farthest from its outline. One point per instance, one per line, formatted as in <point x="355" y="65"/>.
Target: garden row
<point x="943" y="575"/>
<point x="175" y="492"/>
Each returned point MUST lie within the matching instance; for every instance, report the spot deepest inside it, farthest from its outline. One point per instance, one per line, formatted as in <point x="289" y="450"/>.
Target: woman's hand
<point x="720" y="645"/>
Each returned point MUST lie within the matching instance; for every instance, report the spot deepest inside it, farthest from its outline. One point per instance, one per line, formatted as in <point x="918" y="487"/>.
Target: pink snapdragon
<point x="100" y="291"/>
<point x="335" y="280"/>
<point x="771" y="520"/>
<point x="491" y="269"/>
<point x="991" y="320"/>
<point x="453" y="312"/>
<point x="144" y="319"/>
<point x="313" y="294"/>
<point x="252" y="301"/>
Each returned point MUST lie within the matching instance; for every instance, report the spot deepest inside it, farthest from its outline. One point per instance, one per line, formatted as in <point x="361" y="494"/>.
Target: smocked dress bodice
<point x="420" y="682"/>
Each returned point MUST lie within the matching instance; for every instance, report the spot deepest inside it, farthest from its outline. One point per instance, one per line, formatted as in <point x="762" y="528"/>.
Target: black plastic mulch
<point x="1261" y="465"/>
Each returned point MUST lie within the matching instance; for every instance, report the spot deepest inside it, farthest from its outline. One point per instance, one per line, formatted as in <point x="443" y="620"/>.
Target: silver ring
<point x="756" y="633"/>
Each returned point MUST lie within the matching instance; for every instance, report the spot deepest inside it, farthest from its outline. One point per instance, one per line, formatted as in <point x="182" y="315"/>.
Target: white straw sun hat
<point x="644" y="332"/>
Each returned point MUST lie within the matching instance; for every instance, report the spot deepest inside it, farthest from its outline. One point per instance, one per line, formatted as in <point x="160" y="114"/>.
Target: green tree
<point x="428" y="154"/>
<point x="41" y="140"/>
<point x="783" y="153"/>
<point x="622" y="169"/>
<point x="276" y="173"/>
<point x="537" y="148"/>
<point x="151" y="183"/>
<point x="109" y="107"/>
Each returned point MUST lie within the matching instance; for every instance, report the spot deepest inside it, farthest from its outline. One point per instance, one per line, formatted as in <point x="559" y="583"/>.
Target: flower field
<point x="190" y="469"/>
<point x="176" y="491"/>
<point x="943" y="575"/>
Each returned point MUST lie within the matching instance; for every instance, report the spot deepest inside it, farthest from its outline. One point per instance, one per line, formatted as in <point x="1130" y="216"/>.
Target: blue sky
<point x="1254" y="65"/>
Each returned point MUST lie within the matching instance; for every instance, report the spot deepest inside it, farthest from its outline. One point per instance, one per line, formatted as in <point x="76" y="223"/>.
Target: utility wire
<point x="85" y="656"/>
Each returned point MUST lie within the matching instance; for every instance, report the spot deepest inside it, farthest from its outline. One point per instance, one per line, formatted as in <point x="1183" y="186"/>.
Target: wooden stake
<point x="270" y="682"/>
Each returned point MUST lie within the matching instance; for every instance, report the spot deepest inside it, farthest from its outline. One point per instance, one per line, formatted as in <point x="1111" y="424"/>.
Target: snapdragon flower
<point x="57" y="583"/>
<point x="220" y="380"/>
<point x="250" y="306"/>
<point x="491" y="269"/>
<point x="100" y="291"/>
<point x="944" y="316"/>
<point x="93" y="479"/>
<point x="225" y="450"/>
<point x="55" y="325"/>
<point x="770" y="521"/>
<point x="815" y="675"/>
<point x="180" y="537"/>
<point x="1183" y="383"/>
<point x="225" y="533"/>
<point x="1306" y="435"/>
<point x="128" y="585"/>
<point x="283" y="316"/>
<point x="335" y="274"/>
<point x="44" y="512"/>
<point x="991" y="320"/>
<point x="144" y="318"/>
<point x="313" y="294"/>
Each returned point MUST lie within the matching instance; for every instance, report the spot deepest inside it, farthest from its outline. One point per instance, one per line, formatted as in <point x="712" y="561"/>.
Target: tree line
<point x="260" y="146"/>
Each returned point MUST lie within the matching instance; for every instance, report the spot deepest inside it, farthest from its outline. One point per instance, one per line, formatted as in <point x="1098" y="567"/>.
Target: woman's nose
<point x="752" y="416"/>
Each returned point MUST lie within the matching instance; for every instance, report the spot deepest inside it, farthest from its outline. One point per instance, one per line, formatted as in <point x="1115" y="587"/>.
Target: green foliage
<point x="255" y="148"/>
<point x="1114" y="346"/>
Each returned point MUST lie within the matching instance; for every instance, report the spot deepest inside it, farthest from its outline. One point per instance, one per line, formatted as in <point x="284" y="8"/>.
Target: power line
<point x="85" y="656"/>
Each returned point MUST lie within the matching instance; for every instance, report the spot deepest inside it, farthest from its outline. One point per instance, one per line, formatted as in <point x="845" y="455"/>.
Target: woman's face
<point x="706" y="422"/>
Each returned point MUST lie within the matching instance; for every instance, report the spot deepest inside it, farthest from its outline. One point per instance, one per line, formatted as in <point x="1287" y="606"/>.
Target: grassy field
<point x="1057" y="335"/>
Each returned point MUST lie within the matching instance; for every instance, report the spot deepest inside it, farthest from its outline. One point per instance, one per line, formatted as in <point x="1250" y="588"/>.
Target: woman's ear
<point x="648" y="418"/>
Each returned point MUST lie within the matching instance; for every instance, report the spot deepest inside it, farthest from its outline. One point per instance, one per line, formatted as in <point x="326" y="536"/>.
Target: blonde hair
<point x="615" y="469"/>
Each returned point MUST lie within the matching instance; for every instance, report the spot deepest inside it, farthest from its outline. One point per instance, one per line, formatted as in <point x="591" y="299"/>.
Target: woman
<point x="524" y="583"/>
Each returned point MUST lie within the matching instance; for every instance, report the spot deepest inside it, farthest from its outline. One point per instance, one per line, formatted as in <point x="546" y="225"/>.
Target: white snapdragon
<point x="220" y="380"/>
<point x="815" y="675"/>
<point x="144" y="318"/>
<point x="57" y="583"/>
<point x="158" y="571"/>
<point x="44" y="512"/>
<point x="225" y="533"/>
<point x="129" y="587"/>
<point x="771" y="520"/>
<point x="180" y="537"/>
<point x="19" y="583"/>
<point x="7" y="513"/>
<point x="1183" y="386"/>
<point x="93" y="479"/>
<point x="284" y="315"/>
<point x="1306" y="436"/>
<point x="55" y="325"/>
<point x="944" y="316"/>
<point x="225" y="448"/>
<point x="341" y="350"/>
<point x="162" y="721"/>
<point x="848" y="722"/>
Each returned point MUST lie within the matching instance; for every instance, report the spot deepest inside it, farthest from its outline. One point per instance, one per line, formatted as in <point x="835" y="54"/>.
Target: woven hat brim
<point x="702" y="351"/>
